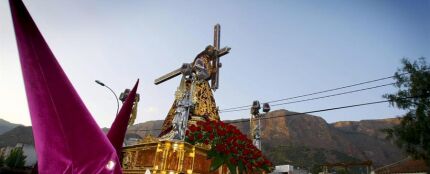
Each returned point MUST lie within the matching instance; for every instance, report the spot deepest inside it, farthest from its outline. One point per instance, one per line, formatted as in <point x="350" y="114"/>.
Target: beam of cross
<point x="215" y="62"/>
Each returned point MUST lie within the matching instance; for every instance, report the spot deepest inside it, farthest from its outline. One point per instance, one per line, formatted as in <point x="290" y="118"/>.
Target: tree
<point x="413" y="95"/>
<point x="16" y="158"/>
<point x="1" y="160"/>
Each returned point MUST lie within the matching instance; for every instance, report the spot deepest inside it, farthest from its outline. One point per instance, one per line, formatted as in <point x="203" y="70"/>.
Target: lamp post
<point x="255" y="126"/>
<point x="255" y="123"/>
<point x="116" y="97"/>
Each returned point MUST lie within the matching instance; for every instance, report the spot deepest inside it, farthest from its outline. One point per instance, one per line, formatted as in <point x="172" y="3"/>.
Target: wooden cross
<point x="214" y="76"/>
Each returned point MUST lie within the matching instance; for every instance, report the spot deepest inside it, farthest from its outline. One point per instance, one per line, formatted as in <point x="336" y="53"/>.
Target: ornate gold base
<point x="166" y="157"/>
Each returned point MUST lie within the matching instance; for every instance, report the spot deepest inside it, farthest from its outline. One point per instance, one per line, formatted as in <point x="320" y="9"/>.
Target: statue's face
<point x="210" y="50"/>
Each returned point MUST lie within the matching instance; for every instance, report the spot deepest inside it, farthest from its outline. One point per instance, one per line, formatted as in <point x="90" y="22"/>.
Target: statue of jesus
<point x="194" y="100"/>
<point x="201" y="96"/>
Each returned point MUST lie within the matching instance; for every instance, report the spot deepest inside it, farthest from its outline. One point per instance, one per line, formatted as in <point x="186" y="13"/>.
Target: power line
<point x="297" y="113"/>
<point x="315" y="111"/>
<point x="314" y="93"/>
<point x="317" y="98"/>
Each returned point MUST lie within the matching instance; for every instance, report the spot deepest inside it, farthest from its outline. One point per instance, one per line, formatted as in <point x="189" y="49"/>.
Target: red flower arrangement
<point x="229" y="146"/>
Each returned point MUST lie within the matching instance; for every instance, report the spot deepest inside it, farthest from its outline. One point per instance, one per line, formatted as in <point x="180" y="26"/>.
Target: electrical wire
<point x="319" y="92"/>
<point x="296" y="113"/>
<point x="305" y="95"/>
<point x="317" y="98"/>
<point x="315" y="111"/>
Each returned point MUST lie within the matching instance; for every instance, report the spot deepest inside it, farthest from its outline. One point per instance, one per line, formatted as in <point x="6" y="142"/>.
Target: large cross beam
<point x="215" y="62"/>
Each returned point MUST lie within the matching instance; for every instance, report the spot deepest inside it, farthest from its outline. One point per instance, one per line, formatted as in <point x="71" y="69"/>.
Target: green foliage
<point x="216" y="163"/>
<point x="341" y="171"/>
<point x="16" y="158"/>
<point x="1" y="160"/>
<point x="315" y="169"/>
<point x="413" y="95"/>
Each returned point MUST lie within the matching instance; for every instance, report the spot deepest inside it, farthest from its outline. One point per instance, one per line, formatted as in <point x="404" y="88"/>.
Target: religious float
<point x="192" y="138"/>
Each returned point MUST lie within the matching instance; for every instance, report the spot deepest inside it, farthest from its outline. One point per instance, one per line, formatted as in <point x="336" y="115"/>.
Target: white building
<point x="288" y="169"/>
<point x="281" y="169"/>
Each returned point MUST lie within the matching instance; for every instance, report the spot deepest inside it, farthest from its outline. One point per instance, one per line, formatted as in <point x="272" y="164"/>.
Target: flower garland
<point x="229" y="146"/>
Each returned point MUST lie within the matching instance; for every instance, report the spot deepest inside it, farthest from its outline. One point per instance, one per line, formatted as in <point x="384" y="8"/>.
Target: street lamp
<point x="255" y="122"/>
<point x="116" y="97"/>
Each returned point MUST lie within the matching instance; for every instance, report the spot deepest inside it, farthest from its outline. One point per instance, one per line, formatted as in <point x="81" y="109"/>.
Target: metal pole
<point x="266" y="109"/>
<point x="259" y="133"/>
<point x="255" y="130"/>
<point x="116" y="97"/>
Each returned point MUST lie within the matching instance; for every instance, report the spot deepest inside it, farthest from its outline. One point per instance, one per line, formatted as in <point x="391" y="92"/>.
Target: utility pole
<point x="255" y="122"/>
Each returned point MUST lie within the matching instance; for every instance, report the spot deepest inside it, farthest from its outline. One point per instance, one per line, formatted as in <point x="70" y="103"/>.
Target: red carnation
<point x="208" y="128"/>
<point x="234" y="150"/>
<point x="229" y="140"/>
<point x="218" y="131"/>
<point x="200" y="122"/>
<point x="248" y="166"/>
<point x="233" y="161"/>
<point x="222" y="124"/>
<point x="219" y="148"/>
<point x="192" y="128"/>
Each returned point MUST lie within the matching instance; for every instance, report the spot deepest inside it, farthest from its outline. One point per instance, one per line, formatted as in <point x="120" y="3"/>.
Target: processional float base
<point x="166" y="157"/>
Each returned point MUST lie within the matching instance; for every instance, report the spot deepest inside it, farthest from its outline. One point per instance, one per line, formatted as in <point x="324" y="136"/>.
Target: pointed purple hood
<point x="117" y="131"/>
<point x="67" y="138"/>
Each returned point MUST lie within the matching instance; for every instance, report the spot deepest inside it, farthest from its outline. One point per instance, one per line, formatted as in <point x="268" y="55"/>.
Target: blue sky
<point x="279" y="49"/>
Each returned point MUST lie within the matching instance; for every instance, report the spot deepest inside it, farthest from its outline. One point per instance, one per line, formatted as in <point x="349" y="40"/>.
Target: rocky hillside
<point x="368" y="127"/>
<point x="301" y="140"/>
<point x="19" y="134"/>
<point x="361" y="140"/>
<point x="6" y="126"/>
<point x="309" y="140"/>
<point x="143" y="129"/>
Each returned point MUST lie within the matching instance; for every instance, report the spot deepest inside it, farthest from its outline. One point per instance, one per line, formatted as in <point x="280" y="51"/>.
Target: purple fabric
<point x="117" y="131"/>
<point x="67" y="138"/>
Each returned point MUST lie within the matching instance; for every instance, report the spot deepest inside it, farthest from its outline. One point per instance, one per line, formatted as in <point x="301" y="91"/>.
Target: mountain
<point x="301" y="140"/>
<point x="143" y="129"/>
<point x="368" y="127"/>
<point x="336" y="142"/>
<point x="19" y="134"/>
<point x="6" y="126"/>
<point x="307" y="140"/>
